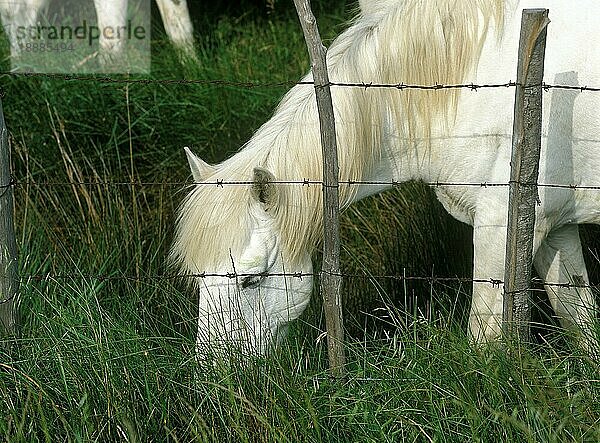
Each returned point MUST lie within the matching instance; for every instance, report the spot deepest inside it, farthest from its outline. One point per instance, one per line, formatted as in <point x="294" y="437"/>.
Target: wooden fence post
<point x="523" y="196"/>
<point x="331" y="278"/>
<point x="9" y="281"/>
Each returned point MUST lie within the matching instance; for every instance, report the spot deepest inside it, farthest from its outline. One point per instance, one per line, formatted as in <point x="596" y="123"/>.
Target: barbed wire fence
<point x="8" y="183"/>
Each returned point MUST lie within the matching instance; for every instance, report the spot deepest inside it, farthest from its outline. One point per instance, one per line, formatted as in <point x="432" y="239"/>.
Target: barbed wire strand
<point x="250" y="85"/>
<point x="303" y="182"/>
<point x="299" y="275"/>
<point x="496" y="283"/>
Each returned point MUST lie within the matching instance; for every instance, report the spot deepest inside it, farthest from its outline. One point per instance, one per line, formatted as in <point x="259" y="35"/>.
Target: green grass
<point x="106" y="358"/>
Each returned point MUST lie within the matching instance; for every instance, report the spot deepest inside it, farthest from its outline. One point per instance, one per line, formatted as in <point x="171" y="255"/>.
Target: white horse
<point x="110" y="13"/>
<point x="451" y="136"/>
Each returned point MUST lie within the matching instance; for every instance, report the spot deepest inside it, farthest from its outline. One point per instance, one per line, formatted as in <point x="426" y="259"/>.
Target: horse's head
<point x="227" y="237"/>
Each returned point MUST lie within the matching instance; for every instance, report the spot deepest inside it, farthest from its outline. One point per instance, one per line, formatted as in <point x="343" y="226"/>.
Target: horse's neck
<point x="430" y="161"/>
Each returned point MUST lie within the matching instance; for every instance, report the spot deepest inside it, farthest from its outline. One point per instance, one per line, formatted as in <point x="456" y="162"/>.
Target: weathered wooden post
<point x="9" y="281"/>
<point x="331" y="278"/>
<point x="526" y="143"/>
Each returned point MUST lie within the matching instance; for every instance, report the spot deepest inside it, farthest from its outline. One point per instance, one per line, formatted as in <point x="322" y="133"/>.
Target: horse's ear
<point x="200" y="169"/>
<point x="263" y="189"/>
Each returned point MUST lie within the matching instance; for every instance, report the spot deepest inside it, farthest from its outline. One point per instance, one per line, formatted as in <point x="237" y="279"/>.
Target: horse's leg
<point x="559" y="259"/>
<point x="112" y="14"/>
<point x="485" y="318"/>
<point x="178" y="25"/>
<point x="19" y="14"/>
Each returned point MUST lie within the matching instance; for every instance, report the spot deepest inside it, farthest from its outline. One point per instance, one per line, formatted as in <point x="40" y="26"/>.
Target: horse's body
<point x="388" y="135"/>
<point x="110" y="13"/>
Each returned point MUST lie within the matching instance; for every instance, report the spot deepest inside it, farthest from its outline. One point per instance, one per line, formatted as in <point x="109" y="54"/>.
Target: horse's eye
<point x="251" y="281"/>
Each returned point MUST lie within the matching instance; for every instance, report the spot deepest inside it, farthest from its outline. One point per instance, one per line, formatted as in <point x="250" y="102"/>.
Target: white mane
<point x="412" y="41"/>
